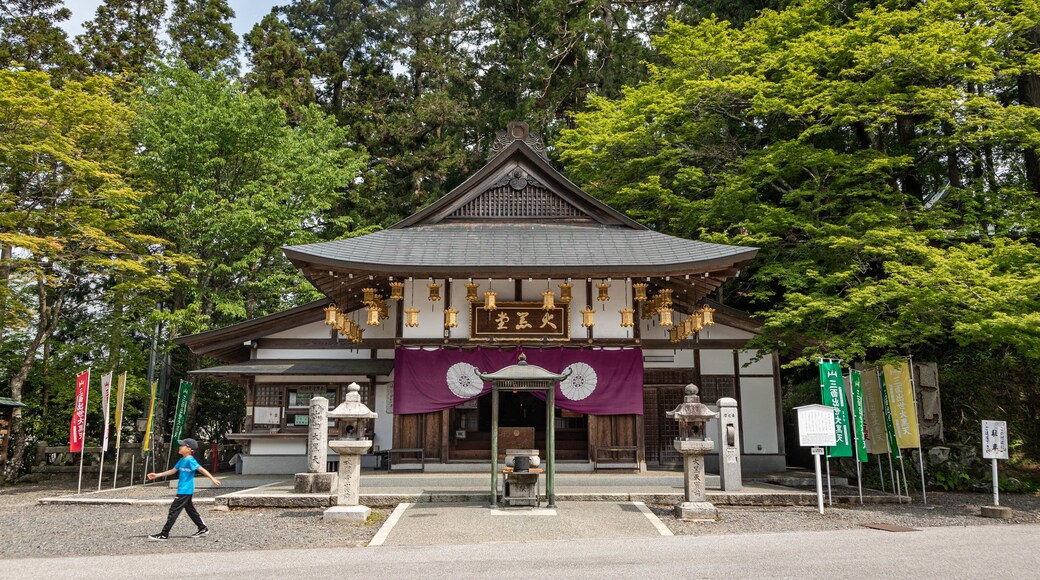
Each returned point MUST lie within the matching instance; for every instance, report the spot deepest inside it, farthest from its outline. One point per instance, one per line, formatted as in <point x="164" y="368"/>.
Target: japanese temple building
<point x="515" y="259"/>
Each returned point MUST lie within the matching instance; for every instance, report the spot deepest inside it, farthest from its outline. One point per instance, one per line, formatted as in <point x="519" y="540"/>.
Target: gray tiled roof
<point x="521" y="247"/>
<point x="302" y="367"/>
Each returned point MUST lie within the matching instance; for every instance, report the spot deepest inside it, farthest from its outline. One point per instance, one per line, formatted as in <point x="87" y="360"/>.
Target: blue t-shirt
<point x="186" y="467"/>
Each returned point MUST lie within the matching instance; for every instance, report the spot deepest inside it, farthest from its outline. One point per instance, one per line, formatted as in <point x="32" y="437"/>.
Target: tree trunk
<point x="44" y="329"/>
<point x="5" y="276"/>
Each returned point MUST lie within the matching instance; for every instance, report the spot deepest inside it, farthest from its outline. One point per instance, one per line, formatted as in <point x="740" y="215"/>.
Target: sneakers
<point x="160" y="537"/>
<point x="201" y="533"/>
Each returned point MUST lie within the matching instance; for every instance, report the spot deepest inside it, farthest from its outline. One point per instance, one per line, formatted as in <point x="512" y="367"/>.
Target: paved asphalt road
<point x="945" y="552"/>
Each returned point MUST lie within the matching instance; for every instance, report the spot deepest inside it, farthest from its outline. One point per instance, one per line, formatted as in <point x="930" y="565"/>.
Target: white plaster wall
<point x="312" y="330"/>
<point x="761" y="367"/>
<point x="719" y="331"/>
<point x="758" y="402"/>
<point x="279" y="446"/>
<point x="680" y="359"/>
<point x="345" y="353"/>
<point x="717" y="362"/>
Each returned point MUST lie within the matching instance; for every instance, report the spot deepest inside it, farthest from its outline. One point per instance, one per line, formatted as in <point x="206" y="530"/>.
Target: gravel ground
<point x="29" y="529"/>
<point x="943" y="509"/>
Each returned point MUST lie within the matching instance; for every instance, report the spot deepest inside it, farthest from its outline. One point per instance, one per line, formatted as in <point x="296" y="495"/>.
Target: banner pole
<point x="79" y="486"/>
<point x="819" y="483"/>
<point x="132" y="461"/>
<point x="924" y="492"/>
<point x="830" y="498"/>
<point x="892" y="476"/>
<point x="859" y="479"/>
<point x="101" y="468"/>
<point x="906" y="484"/>
<point x="881" y="473"/>
<point x="115" y="470"/>
<point x="144" y="474"/>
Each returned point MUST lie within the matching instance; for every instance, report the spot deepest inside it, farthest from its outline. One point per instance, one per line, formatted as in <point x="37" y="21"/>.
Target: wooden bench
<point x="389" y="454"/>
<point x="608" y="457"/>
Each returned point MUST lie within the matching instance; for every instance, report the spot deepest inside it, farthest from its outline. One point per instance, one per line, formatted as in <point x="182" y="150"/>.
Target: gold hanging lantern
<point x="489" y="300"/>
<point x="369" y="296"/>
<point x="673" y="334"/>
<point x="330" y="315"/>
<point x="384" y="308"/>
<point x="604" y="291"/>
<point x="707" y="315"/>
<point x="373" y="315"/>
<point x="666" y="316"/>
<point x="565" y="292"/>
<point x="397" y="291"/>
<point x="359" y="333"/>
<point x="626" y="317"/>
<point x="649" y="309"/>
<point x="640" y="291"/>
<point x="450" y="318"/>
<point x="435" y="291"/>
<point x="548" y="300"/>
<point x="588" y="317"/>
<point x="666" y="296"/>
<point x="411" y="317"/>
<point x="471" y="292"/>
<point x="341" y="321"/>
<point x="695" y="322"/>
<point x="350" y="330"/>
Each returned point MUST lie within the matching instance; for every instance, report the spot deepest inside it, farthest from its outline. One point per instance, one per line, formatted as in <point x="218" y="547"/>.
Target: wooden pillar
<point x="494" y="446"/>
<point x="550" y="446"/>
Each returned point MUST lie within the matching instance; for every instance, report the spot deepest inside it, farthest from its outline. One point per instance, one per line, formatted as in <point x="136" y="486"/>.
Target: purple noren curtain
<point x="602" y="381"/>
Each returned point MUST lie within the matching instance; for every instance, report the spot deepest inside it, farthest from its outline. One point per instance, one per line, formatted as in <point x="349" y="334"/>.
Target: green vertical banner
<point x="180" y="416"/>
<point x="833" y="395"/>
<point x="892" y="445"/>
<point x="856" y="386"/>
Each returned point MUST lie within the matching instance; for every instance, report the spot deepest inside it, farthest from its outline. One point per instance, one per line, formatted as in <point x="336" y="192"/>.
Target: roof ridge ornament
<point x="517" y="131"/>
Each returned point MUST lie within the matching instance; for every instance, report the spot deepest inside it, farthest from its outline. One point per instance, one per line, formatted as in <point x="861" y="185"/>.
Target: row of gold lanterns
<point x="659" y="305"/>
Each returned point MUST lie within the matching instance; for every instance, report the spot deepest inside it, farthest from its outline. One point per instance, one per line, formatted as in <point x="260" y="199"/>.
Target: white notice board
<point x="816" y="426"/>
<point x="994" y="440"/>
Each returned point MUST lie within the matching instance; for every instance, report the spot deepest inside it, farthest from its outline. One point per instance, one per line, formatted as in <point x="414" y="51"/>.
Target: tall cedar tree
<point x="278" y="66"/>
<point x="30" y="38"/>
<point x="201" y="35"/>
<point x="123" y="36"/>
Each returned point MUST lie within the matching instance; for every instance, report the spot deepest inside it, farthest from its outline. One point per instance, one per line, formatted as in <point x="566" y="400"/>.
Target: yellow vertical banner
<point x="874" y="411"/>
<point x="120" y="400"/>
<point x="147" y="445"/>
<point x="900" y="387"/>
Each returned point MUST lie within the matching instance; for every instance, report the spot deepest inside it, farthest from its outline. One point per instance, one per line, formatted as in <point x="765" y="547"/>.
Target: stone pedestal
<point x="347" y="507"/>
<point x="314" y="483"/>
<point x="695" y="507"/>
<point x="996" y="511"/>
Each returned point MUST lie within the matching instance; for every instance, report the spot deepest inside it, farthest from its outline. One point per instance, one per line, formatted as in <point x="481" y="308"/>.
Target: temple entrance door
<point x="521" y="413"/>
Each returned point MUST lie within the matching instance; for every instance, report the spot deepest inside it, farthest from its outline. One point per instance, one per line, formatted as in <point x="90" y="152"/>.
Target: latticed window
<point x="715" y="387"/>
<point x="268" y="395"/>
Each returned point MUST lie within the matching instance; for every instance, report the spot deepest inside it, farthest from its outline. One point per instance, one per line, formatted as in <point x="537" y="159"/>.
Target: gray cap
<point x="191" y="443"/>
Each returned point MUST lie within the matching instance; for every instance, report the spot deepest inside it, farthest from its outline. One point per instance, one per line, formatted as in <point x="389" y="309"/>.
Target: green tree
<point x="233" y="182"/>
<point x="201" y="35"/>
<point x="123" y="36"/>
<point x="278" y="66"/>
<point x="30" y="38"/>
<point x="69" y="213"/>
<point x="875" y="155"/>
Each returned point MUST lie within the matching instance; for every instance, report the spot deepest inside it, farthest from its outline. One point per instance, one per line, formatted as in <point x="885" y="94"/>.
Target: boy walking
<point x="185" y="469"/>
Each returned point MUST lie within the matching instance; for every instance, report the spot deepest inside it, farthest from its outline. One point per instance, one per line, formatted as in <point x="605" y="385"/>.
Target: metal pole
<point x="906" y="484"/>
<point x="101" y="467"/>
<point x="79" y="486"/>
<point x="996" y="484"/>
<point x="144" y="474"/>
<point x="924" y="492"/>
<point x="891" y="474"/>
<point x="115" y="472"/>
<point x="830" y="498"/>
<point x="859" y="478"/>
<point x="132" y="461"/>
<point x="550" y="447"/>
<point x="494" y="446"/>
<point x="881" y="473"/>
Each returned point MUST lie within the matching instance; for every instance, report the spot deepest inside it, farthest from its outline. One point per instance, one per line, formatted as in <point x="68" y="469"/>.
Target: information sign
<point x="994" y="440"/>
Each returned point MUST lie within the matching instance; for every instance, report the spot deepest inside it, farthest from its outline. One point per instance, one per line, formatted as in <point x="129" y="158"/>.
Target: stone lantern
<point x="694" y="444"/>
<point x="353" y="416"/>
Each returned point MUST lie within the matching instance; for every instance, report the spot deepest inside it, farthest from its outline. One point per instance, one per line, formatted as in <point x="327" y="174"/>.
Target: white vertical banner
<point x="106" y="398"/>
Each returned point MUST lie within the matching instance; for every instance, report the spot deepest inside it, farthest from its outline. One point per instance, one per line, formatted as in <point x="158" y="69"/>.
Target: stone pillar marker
<point x="694" y="445"/>
<point x="317" y="479"/>
<point x="729" y="445"/>
<point x="354" y="415"/>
